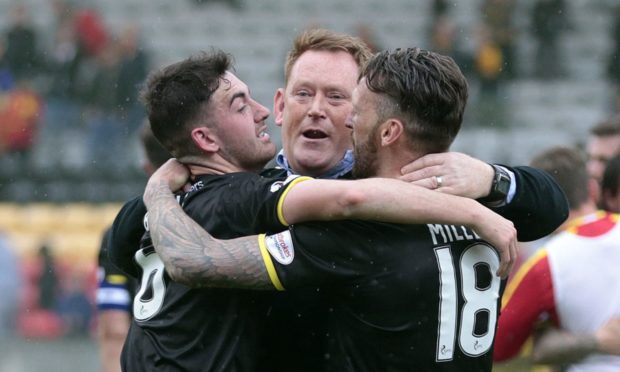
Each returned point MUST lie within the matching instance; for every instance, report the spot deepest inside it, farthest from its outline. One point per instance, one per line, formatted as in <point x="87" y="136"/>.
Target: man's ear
<point x="391" y="131"/>
<point x="205" y="139"/>
<point x="278" y="106"/>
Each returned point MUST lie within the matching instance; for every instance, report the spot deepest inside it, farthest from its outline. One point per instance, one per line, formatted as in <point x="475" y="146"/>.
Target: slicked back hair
<point x="424" y="89"/>
<point x="320" y="39"/>
<point x="177" y="99"/>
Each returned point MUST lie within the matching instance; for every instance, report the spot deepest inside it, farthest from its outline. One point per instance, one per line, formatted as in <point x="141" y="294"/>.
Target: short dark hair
<point x="424" y="89"/>
<point x="567" y="166"/>
<point x="607" y="127"/>
<point x="177" y="97"/>
<point x="611" y="176"/>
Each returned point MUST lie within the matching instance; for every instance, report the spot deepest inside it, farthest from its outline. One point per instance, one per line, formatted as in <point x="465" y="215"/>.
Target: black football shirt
<point x="177" y="328"/>
<point x="403" y="298"/>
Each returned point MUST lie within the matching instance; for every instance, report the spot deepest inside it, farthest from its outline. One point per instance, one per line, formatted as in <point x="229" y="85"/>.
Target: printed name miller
<point x="450" y="233"/>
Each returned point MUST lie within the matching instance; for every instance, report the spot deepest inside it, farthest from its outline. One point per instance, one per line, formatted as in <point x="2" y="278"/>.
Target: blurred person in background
<point x="133" y="68"/>
<point x="444" y="40"/>
<point x="10" y="287"/>
<point x="603" y="144"/>
<point x="610" y="186"/>
<point x="115" y="290"/>
<point x="48" y="279"/>
<point x="105" y="127"/>
<point x="498" y="17"/>
<point x="613" y="59"/>
<point x="573" y="283"/>
<point x="22" y="55"/>
<point x="548" y="23"/>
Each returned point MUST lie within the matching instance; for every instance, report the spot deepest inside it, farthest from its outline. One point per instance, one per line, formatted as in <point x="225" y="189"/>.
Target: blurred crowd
<point x="78" y="76"/>
<point x="78" y="80"/>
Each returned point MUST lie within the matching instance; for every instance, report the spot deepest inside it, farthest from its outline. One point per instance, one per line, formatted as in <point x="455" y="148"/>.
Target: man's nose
<point x="317" y="107"/>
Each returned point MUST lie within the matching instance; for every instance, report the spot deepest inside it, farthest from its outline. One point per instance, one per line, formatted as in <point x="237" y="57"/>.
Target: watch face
<point x="503" y="183"/>
<point x="503" y="186"/>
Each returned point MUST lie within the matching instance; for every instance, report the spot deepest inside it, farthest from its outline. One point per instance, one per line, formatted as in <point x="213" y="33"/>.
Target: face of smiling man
<point x="312" y="110"/>
<point x="241" y="127"/>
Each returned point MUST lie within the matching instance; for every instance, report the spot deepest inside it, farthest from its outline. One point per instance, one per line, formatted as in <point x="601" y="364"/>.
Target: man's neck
<point x="390" y="162"/>
<point x="198" y="166"/>
<point x="584" y="210"/>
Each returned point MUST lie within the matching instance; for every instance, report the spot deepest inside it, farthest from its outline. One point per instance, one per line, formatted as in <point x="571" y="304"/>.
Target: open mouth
<point x="314" y="134"/>
<point x="262" y="132"/>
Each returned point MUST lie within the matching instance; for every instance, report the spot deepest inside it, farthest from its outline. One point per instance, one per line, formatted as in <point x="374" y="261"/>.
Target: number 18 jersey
<point x="414" y="298"/>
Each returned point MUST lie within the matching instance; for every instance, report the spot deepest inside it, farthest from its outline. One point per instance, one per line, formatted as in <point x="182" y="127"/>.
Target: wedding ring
<point x="439" y="180"/>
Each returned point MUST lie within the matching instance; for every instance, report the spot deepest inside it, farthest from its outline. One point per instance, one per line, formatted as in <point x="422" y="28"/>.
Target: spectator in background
<point x="22" y="57"/>
<point x="603" y="144"/>
<point x="548" y="20"/>
<point x="19" y="122"/>
<point x="613" y="61"/>
<point x="498" y="17"/>
<point x="6" y="78"/>
<point x="74" y="307"/>
<point x="91" y="32"/>
<point x="104" y="123"/>
<point x="443" y="40"/>
<point x="489" y="61"/>
<point x="115" y="290"/>
<point x="610" y="186"/>
<point x="573" y="283"/>
<point x="48" y="280"/>
<point x="132" y="70"/>
<point x="63" y="64"/>
<point x="10" y="286"/>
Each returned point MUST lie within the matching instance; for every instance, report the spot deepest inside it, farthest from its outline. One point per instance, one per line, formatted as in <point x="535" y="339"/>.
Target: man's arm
<point x="125" y="235"/>
<point x="192" y="256"/>
<point x="387" y="200"/>
<point x="538" y="205"/>
<point x="113" y="309"/>
<point x="555" y="346"/>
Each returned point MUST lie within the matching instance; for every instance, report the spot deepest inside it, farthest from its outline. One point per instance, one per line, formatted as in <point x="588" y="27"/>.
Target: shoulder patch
<point x="145" y="221"/>
<point x="278" y="184"/>
<point x="280" y="246"/>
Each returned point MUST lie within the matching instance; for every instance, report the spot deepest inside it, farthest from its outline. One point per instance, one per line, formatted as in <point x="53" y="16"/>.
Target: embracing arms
<point x="175" y="234"/>
<point x="536" y="203"/>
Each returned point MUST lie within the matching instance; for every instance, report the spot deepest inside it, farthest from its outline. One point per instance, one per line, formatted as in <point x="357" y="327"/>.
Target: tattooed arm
<point x="203" y="260"/>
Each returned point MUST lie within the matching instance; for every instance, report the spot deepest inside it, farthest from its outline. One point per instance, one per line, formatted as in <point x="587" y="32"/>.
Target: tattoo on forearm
<point x="191" y="256"/>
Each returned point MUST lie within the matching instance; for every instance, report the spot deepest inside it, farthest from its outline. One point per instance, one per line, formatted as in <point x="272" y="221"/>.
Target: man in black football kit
<point x="219" y="130"/>
<point x="404" y="297"/>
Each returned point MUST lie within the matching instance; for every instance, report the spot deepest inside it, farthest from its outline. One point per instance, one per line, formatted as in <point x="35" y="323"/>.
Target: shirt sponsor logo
<point x="280" y="246"/>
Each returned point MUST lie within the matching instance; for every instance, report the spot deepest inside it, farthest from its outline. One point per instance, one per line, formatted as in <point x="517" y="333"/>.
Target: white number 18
<point x="476" y="300"/>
